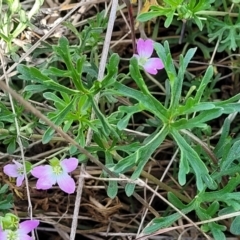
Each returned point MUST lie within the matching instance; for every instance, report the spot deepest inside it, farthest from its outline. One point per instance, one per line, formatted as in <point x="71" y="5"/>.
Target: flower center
<point x="20" y="170"/>
<point x="57" y="170"/>
<point x="12" y="235"/>
<point x="142" y="61"/>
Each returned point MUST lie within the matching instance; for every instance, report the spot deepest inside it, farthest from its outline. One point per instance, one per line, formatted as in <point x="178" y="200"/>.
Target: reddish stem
<point x="131" y="21"/>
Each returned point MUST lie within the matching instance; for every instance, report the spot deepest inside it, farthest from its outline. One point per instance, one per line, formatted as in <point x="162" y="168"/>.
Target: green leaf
<point x="7" y="118"/>
<point x="206" y="79"/>
<point x="226" y="31"/>
<point x="4" y="205"/>
<point x="53" y="97"/>
<point x="129" y="189"/>
<point x="81" y="136"/>
<point x="58" y="119"/>
<point x="99" y="140"/>
<point x="33" y="74"/>
<point x="235" y="229"/>
<point x="175" y="79"/>
<point x="220" y="147"/>
<point x="165" y="55"/>
<point x="228" y="101"/>
<point x="201" y="118"/>
<point x="174" y="3"/>
<point x="129" y="148"/>
<point x="183" y="168"/>
<point x="62" y="49"/>
<point x="191" y="107"/>
<point x="225" y="194"/>
<point x="226" y="210"/>
<point x="184" y="61"/>
<point x="213" y="208"/>
<point x="140" y="158"/>
<point x="176" y="85"/>
<point x="169" y="19"/>
<point x="36" y="88"/>
<point x="106" y="127"/>
<point x="231" y="108"/>
<point x="175" y="201"/>
<point x="201" y="212"/>
<point x="56" y="72"/>
<point x="35" y="8"/>
<point x="136" y="75"/>
<point x="4" y="189"/>
<point x="198" y="22"/>
<point x="130" y="110"/>
<point x="67" y="125"/>
<point x="11" y="146"/>
<point x="163" y="222"/>
<point x="5" y="38"/>
<point x="70" y="26"/>
<point x="112" y="189"/>
<point x="199" y="168"/>
<point x="233" y="154"/>
<point x="112" y="70"/>
<point x="144" y="17"/>
<point x="216" y="230"/>
<point x="201" y="5"/>
<point x="147" y="102"/>
<point x="142" y="155"/>
<point x="108" y="158"/>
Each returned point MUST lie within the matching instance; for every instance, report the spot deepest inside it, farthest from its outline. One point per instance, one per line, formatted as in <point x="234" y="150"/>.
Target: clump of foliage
<point x="68" y="82"/>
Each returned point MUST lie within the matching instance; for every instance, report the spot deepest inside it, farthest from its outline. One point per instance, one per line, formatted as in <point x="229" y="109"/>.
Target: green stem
<point x="31" y="136"/>
<point x="217" y="13"/>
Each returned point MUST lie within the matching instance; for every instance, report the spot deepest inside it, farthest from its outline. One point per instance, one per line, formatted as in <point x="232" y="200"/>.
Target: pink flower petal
<point x="20" y="180"/>
<point x="46" y="183"/>
<point x="3" y="234"/>
<point x="11" y="170"/>
<point x="18" y="164"/>
<point x="25" y="237"/>
<point x="152" y="65"/>
<point x="45" y="175"/>
<point x="41" y="171"/>
<point x="69" y="164"/>
<point x="66" y="183"/>
<point x="43" y="185"/>
<point x="145" y="48"/>
<point x="27" y="226"/>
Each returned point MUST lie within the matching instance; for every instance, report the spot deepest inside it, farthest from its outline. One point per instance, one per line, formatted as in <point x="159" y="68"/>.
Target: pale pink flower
<point x="15" y="170"/>
<point x="145" y="50"/>
<point x="21" y="233"/>
<point x="56" y="172"/>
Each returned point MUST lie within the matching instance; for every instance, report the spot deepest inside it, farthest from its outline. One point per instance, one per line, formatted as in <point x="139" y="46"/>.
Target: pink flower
<point x="21" y="233"/>
<point x="56" y="172"/>
<point x="15" y="170"/>
<point x="145" y="50"/>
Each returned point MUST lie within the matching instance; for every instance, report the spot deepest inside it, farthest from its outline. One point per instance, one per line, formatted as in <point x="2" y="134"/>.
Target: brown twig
<point x="131" y="20"/>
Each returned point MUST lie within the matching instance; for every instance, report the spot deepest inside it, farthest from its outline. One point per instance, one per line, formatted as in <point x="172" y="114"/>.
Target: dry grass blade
<point x="167" y="186"/>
